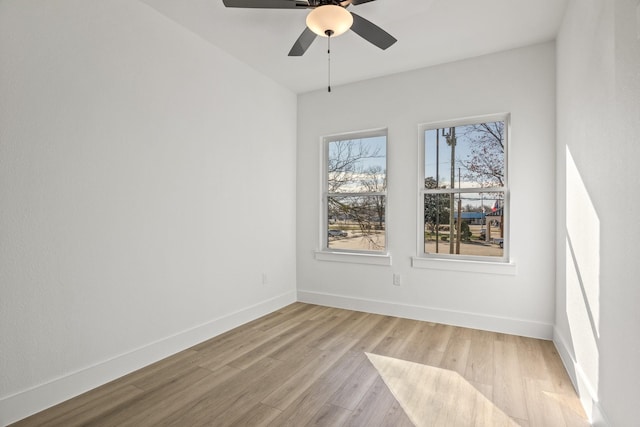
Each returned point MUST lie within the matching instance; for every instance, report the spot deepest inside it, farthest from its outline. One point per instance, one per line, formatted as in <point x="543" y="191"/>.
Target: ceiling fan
<point x="328" y="18"/>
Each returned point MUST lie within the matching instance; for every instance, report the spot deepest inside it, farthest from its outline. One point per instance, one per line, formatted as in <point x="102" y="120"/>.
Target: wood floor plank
<point x="485" y="390"/>
<point x="508" y="387"/>
<point x="329" y="416"/>
<point x="362" y="324"/>
<point x="440" y="336"/>
<point x="231" y="408"/>
<point x="396" y="417"/>
<point x="315" y="328"/>
<point x="355" y="385"/>
<point x="212" y="406"/>
<point x="160" y="373"/>
<point x="574" y="419"/>
<point x="235" y="347"/>
<point x="164" y="409"/>
<point x="431" y="395"/>
<point x="277" y="394"/>
<point x="226" y="339"/>
<point x="303" y="378"/>
<point x="558" y="375"/>
<point x="394" y="342"/>
<point x="456" y="356"/>
<point x="305" y="407"/>
<point x="543" y="410"/>
<point x="295" y="312"/>
<point x="381" y="328"/>
<point x="311" y="365"/>
<point x="270" y="347"/>
<point x="531" y="359"/>
<point x="259" y="415"/>
<point x="563" y="391"/>
<point x="213" y="358"/>
<point x="520" y="422"/>
<point x="351" y="327"/>
<point x="81" y="410"/>
<point x="416" y="346"/>
<point x="144" y="378"/>
<point x="277" y="319"/>
<point x="137" y="410"/>
<point x="374" y="407"/>
<point x="480" y="363"/>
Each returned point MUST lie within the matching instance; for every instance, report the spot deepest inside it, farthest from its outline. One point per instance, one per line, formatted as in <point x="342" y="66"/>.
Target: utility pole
<point x="437" y="198"/>
<point x="459" y="222"/>
<point x="451" y="140"/>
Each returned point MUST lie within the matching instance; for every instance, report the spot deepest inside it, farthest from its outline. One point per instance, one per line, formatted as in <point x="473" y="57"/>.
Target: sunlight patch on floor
<point x="433" y="396"/>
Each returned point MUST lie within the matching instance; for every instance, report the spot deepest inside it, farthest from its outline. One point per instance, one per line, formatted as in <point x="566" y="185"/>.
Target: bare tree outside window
<point x="485" y="162"/>
<point x="356" y="193"/>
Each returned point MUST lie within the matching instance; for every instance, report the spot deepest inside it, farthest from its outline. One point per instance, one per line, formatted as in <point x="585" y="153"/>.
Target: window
<point x="355" y="192"/>
<point x="463" y="197"/>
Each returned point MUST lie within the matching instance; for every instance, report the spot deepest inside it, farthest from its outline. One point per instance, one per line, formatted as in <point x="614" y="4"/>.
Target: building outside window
<point x="463" y="196"/>
<point x="355" y="192"/>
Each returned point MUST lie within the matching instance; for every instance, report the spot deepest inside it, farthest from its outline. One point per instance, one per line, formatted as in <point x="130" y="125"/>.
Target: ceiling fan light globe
<point x="329" y="18"/>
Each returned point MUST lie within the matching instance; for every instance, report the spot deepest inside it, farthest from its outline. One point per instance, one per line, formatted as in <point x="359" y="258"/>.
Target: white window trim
<point x="480" y="264"/>
<point x="325" y="253"/>
<point x="354" y="257"/>
<point x="465" y="265"/>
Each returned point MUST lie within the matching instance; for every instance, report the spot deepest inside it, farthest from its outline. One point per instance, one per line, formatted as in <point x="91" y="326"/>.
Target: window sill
<point x="354" y="257"/>
<point x="504" y="268"/>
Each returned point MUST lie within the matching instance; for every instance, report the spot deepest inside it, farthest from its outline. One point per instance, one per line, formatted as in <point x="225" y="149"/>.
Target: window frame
<point x="378" y="257"/>
<point x="451" y="261"/>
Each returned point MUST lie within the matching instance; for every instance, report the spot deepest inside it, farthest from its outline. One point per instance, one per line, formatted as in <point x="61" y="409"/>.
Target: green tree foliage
<point x="436" y="206"/>
<point x="465" y="232"/>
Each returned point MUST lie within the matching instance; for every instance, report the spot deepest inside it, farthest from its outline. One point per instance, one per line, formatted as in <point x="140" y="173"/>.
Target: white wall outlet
<point x="265" y="280"/>
<point x="397" y="279"/>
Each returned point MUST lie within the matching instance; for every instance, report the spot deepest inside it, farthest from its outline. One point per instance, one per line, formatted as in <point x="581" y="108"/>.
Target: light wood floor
<point x="308" y="365"/>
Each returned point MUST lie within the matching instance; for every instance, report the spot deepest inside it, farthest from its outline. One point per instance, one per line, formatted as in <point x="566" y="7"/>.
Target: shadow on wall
<point x="582" y="272"/>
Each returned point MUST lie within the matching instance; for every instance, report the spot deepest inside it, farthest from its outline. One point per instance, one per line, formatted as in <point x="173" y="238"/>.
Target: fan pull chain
<point x="328" y="33"/>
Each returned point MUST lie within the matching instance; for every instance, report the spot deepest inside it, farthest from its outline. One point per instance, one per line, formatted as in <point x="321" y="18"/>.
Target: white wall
<point x="598" y="147"/>
<point x="147" y="180"/>
<point x="521" y="82"/>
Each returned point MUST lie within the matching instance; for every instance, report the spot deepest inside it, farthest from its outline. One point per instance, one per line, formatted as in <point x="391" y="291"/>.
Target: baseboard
<point x="598" y="418"/>
<point x="586" y="391"/>
<point x="485" y="322"/>
<point x="29" y="402"/>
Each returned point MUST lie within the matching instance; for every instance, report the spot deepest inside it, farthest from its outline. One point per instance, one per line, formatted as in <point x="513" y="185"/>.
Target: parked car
<point x="337" y="233"/>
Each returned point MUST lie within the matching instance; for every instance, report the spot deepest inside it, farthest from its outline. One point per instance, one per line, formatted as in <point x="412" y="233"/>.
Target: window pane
<point x="357" y="166"/>
<point x="479" y="232"/>
<point x="470" y="156"/>
<point x="356" y="222"/>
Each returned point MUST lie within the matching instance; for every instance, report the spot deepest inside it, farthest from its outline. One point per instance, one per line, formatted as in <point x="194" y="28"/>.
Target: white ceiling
<point x="429" y="32"/>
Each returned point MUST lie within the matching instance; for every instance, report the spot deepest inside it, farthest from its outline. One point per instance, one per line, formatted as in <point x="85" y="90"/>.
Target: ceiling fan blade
<point x="346" y="3"/>
<point x="302" y="44"/>
<point x="371" y="32"/>
<point x="268" y="4"/>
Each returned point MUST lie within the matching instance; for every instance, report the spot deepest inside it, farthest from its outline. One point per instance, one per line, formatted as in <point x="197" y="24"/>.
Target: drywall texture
<point x="597" y="316"/>
<point x="147" y="181"/>
<point x="520" y="82"/>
